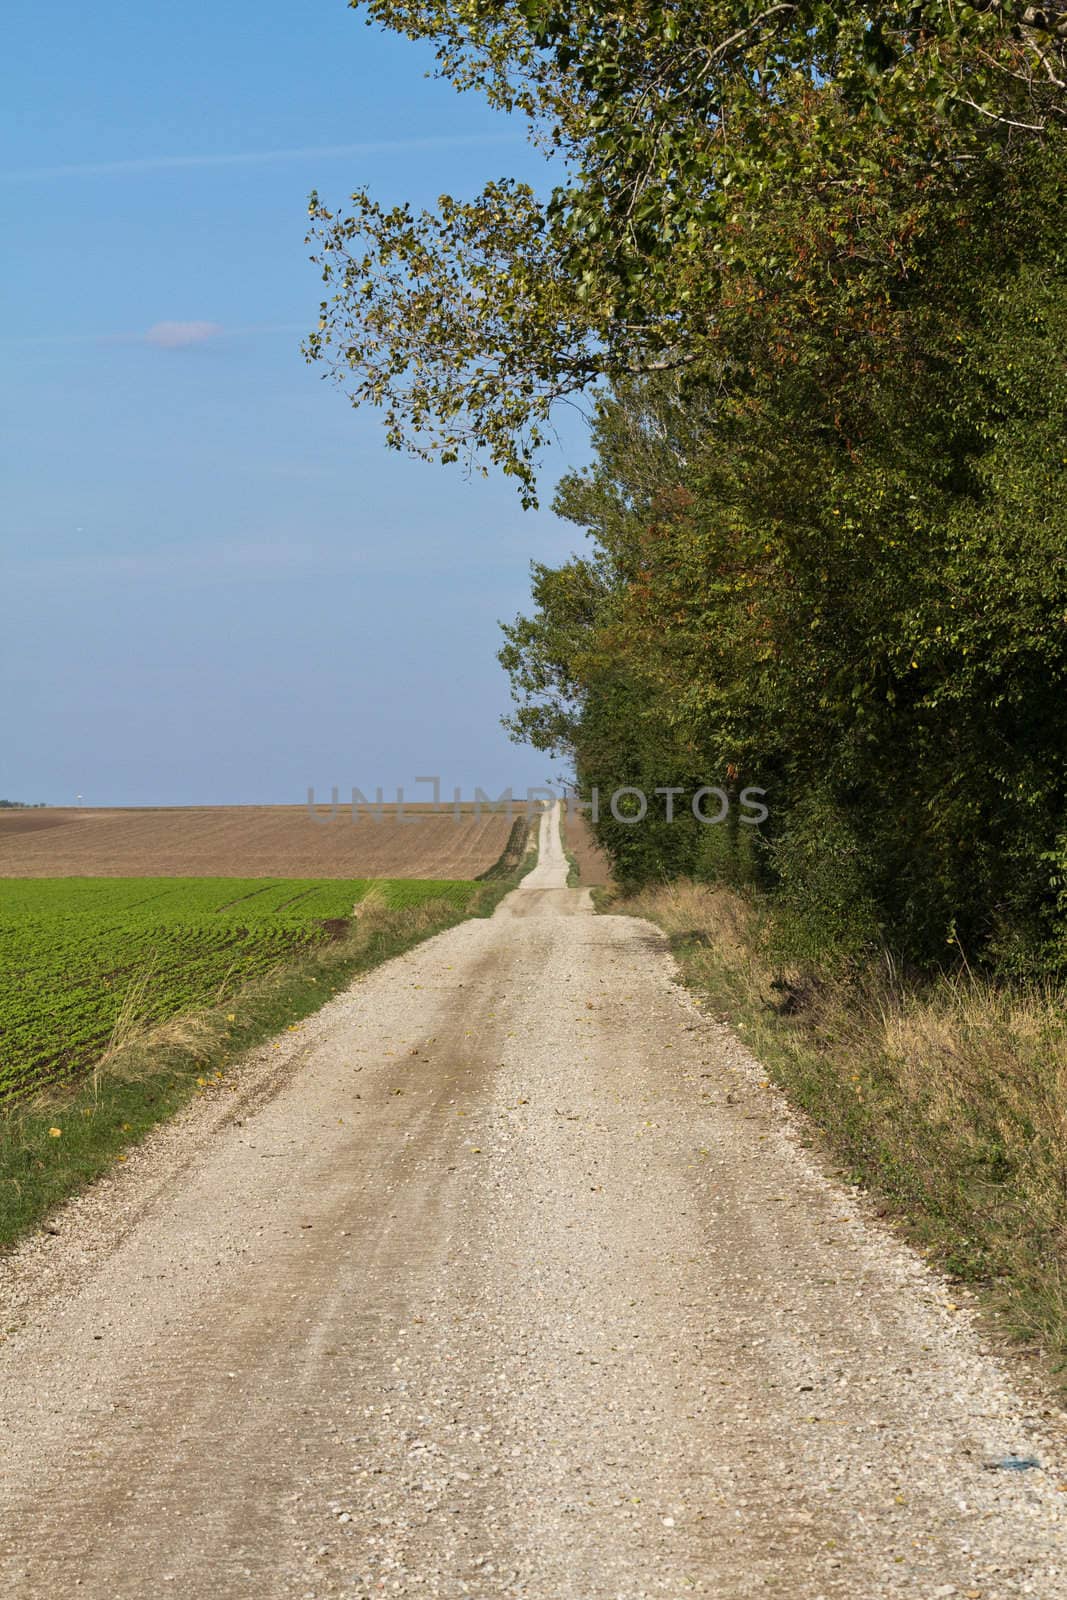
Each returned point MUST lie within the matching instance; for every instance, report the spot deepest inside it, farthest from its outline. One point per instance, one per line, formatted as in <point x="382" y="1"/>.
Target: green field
<point x="83" y="957"/>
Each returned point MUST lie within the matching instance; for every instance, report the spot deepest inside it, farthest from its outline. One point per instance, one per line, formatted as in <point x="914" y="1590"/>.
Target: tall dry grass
<point x="947" y="1096"/>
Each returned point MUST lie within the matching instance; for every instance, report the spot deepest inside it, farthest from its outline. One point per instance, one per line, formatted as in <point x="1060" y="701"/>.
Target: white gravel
<point x="506" y="1275"/>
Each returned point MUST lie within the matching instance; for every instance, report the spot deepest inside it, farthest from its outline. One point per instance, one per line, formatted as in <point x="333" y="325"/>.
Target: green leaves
<point x="844" y="575"/>
<point x="468" y="324"/>
<point x="808" y="257"/>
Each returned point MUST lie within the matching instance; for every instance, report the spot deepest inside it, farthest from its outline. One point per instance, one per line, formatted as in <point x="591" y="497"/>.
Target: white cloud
<point x="176" y="335"/>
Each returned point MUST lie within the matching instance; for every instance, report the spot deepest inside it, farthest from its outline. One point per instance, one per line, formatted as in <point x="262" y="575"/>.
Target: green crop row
<point x="86" y="960"/>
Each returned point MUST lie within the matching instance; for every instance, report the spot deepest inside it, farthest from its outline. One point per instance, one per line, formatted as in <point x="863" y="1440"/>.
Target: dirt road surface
<point x="504" y="1276"/>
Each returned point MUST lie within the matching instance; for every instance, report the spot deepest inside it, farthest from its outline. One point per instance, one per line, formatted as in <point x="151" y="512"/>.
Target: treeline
<point x="811" y="260"/>
<point x="845" y="581"/>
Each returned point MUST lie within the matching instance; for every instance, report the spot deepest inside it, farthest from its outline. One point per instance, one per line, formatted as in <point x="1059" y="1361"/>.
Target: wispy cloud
<point x="176" y="335"/>
<point x="216" y="563"/>
<point x="165" y="335"/>
<point x="252" y="158"/>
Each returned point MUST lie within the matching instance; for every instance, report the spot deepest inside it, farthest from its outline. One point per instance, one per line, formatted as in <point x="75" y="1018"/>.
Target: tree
<point x="810" y="260"/>
<point x="687" y="130"/>
<point x="869" y="618"/>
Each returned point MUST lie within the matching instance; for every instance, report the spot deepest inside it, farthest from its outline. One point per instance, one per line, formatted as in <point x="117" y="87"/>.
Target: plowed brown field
<point x="249" y="841"/>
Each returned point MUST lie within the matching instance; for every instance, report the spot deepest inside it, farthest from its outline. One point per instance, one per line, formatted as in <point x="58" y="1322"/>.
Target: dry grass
<point x="593" y="869"/>
<point x="949" y="1098"/>
<point x="130" y="1024"/>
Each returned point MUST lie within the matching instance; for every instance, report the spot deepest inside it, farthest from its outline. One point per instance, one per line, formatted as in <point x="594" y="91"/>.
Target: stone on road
<point x="507" y="1276"/>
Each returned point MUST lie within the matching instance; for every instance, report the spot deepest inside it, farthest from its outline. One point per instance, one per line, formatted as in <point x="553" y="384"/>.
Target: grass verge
<point x="947" y="1099"/>
<point x="58" y="1142"/>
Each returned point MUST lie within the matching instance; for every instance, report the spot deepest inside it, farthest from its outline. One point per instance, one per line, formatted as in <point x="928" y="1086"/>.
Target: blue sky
<point x="220" y="586"/>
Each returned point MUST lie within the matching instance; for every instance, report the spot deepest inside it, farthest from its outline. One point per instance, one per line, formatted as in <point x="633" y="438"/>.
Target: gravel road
<point x="505" y="1275"/>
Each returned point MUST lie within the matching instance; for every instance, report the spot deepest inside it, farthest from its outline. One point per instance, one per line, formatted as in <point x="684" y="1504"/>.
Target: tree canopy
<point x="696" y="140"/>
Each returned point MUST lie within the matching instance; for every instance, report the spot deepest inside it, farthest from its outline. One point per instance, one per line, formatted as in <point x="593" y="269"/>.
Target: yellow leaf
<point x="55" y="1133"/>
